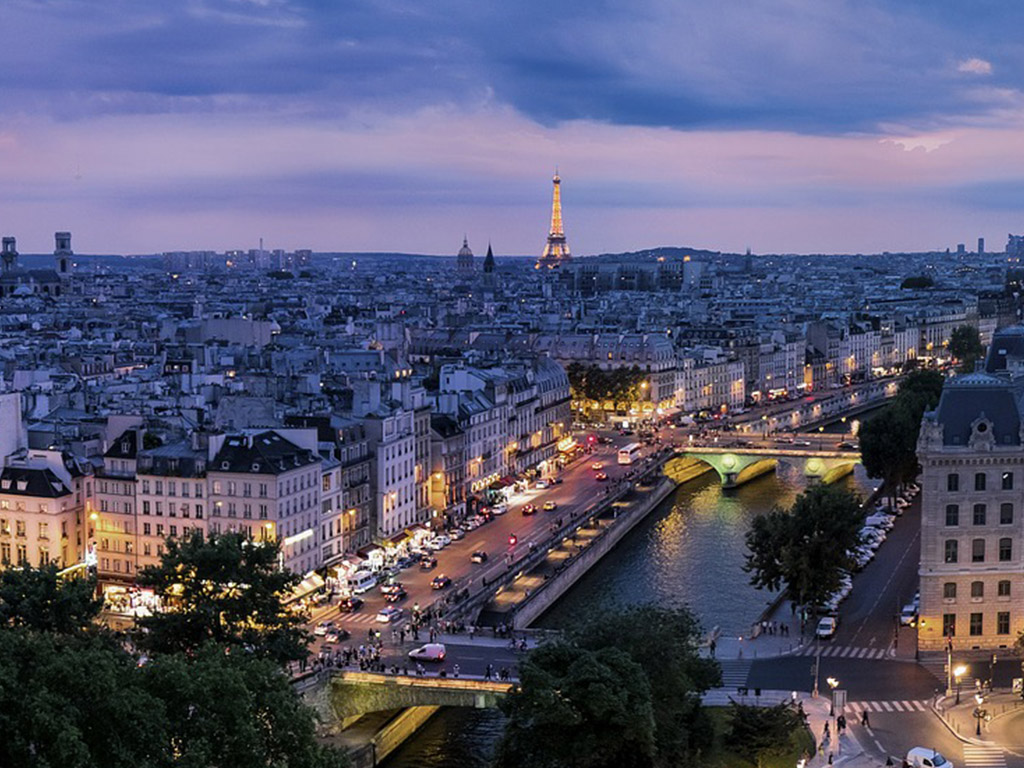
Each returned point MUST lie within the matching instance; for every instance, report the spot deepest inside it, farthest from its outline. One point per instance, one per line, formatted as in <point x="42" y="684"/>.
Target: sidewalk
<point x="782" y="636"/>
<point x="961" y="720"/>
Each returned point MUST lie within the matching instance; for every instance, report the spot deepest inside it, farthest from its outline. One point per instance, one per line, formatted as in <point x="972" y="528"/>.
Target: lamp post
<point x="958" y="673"/>
<point x="979" y="713"/>
<point x="833" y="684"/>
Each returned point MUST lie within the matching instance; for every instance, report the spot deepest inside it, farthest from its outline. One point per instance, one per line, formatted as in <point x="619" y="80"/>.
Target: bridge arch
<point x="737" y="466"/>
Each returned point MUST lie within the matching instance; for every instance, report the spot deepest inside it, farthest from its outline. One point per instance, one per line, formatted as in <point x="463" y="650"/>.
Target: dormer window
<point x="225" y="464"/>
<point x="255" y="467"/>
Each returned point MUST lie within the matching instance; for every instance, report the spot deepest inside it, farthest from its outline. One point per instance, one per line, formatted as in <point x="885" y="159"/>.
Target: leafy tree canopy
<point x="965" y="345"/>
<point x="759" y="733"/>
<point x="577" y="708"/>
<point x="39" y="599"/>
<point x="917" y="282"/>
<point x="225" y="589"/>
<point x="806" y="549"/>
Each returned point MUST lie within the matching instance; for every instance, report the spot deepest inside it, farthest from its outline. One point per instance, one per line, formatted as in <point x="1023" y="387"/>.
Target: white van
<point x="362" y="581"/>
<point x="922" y="757"/>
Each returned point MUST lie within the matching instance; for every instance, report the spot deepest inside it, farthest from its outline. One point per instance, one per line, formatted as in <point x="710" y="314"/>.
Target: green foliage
<point x="965" y="345"/>
<point x="888" y="441"/>
<point x="759" y="733"/>
<point x="663" y="642"/>
<point x="577" y="708"/>
<point x="150" y="441"/>
<point x="806" y="549"/>
<point x="917" y="282"/>
<point x="227" y="590"/>
<point x="619" y="385"/>
<point x="39" y="599"/>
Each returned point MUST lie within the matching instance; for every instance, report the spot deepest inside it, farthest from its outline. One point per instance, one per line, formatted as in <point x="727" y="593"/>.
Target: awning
<point x="310" y="584"/>
<point x="368" y="550"/>
<point x="396" y="540"/>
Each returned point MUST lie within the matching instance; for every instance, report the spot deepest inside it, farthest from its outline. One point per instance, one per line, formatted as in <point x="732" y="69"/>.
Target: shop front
<point x="128" y="600"/>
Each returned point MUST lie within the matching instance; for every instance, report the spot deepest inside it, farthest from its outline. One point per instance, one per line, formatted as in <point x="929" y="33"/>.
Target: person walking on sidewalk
<point x="864" y="719"/>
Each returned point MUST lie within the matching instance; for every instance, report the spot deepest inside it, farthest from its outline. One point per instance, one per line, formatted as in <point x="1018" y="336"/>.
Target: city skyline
<point x="385" y="128"/>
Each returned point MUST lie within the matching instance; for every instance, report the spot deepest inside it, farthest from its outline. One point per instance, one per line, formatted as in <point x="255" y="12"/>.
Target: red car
<point x="529" y="509"/>
<point x="601" y="476"/>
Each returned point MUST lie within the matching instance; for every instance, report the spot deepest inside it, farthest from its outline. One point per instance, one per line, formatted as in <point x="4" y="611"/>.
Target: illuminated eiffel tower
<point x="556" y="251"/>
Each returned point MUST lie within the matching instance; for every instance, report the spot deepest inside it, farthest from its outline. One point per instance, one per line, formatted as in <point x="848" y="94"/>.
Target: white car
<point x="826" y="627"/>
<point x="922" y="757"/>
<point x="499" y="509"/>
<point x="457" y="534"/>
<point x="908" y="616"/>
<point x="884" y="522"/>
<point x="428" y="652"/>
<point x="388" y="615"/>
<point x="542" y="484"/>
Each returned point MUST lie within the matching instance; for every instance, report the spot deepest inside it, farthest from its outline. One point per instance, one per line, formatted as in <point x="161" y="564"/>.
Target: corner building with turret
<point x="971" y="451"/>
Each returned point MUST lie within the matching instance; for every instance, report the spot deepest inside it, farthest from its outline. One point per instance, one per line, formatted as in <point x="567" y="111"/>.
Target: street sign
<point x="839" y="700"/>
<point x="1018" y="685"/>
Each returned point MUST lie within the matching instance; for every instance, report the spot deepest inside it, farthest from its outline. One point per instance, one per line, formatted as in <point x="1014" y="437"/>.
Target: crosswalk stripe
<point x="920" y="706"/>
<point x="887" y="706"/>
<point x="866" y="652"/>
<point x="898" y="706"/>
<point x="983" y="757"/>
<point x="846" y="651"/>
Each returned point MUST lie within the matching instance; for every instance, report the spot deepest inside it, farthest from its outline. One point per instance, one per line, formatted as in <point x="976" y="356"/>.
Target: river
<point x="688" y="551"/>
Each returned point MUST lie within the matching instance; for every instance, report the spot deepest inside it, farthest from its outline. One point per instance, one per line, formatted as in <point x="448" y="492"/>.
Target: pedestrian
<point x="841" y="724"/>
<point x="825" y="734"/>
<point x="864" y="719"/>
<point x="713" y="645"/>
<point x="830" y="758"/>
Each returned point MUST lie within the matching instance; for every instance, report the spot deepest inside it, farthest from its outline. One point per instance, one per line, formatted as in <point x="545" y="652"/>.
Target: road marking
<point x="882" y="591"/>
<point x="886" y="706"/>
<point x="898" y="706"/>
<point x="976" y="756"/>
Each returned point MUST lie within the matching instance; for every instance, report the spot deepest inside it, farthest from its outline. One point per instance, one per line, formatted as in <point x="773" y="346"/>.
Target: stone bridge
<point x="736" y="466"/>
<point x="349" y="695"/>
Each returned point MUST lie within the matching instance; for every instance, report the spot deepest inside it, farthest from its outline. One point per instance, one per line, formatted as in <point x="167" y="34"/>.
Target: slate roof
<point x="40" y="483"/>
<point x="1006" y="343"/>
<point x="967" y="398"/>
<point x="266" y="453"/>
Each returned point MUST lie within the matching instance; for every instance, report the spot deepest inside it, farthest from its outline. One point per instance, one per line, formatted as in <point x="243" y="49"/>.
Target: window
<point x="952" y="514"/>
<point x="159" y="509"/>
<point x="159" y="530"/>
<point x="145" y="507"/>
<point x="953" y="482"/>
<point x="1007" y="481"/>
<point x="978" y="551"/>
<point x="172" y="509"/>
<point x="1005" y="550"/>
<point x="5" y="553"/>
<point x="949" y="590"/>
<point x="1006" y="513"/>
<point x="977" y="589"/>
<point x="1003" y="623"/>
<point x="951" y="550"/>
<point x="44" y="530"/>
<point x="979" y="481"/>
<point x="216" y="486"/>
<point x="979" y="514"/>
<point x="19" y="527"/>
<point x="145" y="529"/>
<point x="172" y="488"/>
<point x="949" y="625"/>
<point x="199" y="511"/>
<point x="1003" y="589"/>
<point x="976" y="624"/>
<point x="145" y="486"/>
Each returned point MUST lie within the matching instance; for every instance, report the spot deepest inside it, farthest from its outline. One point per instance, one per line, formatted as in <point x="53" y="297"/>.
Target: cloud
<point x="975" y="67"/>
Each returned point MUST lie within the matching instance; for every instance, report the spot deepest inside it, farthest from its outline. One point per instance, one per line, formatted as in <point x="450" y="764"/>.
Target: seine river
<point x="689" y="551"/>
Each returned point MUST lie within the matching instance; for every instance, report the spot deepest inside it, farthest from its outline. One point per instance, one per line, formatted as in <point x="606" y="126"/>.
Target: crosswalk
<point x="905" y="705"/>
<point x="844" y="652"/>
<point x="976" y="756"/>
<point x="734" y="672"/>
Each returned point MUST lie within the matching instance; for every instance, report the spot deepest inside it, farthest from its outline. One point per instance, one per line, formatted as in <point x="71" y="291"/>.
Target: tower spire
<point x="557" y="249"/>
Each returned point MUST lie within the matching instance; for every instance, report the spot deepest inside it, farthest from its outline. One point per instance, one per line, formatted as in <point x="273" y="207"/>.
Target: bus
<point x="629" y="453"/>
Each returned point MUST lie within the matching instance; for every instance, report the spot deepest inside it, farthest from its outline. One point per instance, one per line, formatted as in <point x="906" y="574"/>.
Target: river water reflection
<point x="689" y="551"/>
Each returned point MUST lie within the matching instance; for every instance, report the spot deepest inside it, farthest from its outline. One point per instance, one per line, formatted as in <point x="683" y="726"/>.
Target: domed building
<point x="464" y="261"/>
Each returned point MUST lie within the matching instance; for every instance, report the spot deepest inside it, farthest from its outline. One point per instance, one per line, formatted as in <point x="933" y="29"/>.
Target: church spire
<point x="557" y="249"/>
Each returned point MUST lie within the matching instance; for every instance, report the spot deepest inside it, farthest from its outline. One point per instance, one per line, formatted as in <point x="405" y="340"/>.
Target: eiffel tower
<point x="556" y="251"/>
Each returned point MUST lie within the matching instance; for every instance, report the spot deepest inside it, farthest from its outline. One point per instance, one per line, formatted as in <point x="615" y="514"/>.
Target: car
<point x="922" y="757"/>
<point x="542" y="484"/>
<point x="472" y="524"/>
<point x="601" y="476"/>
<point x="478" y="557"/>
<point x="499" y="509"/>
<point x="550" y="506"/>
<point x="597" y="465"/>
<point x="323" y="628"/>
<point x="529" y="509"/>
<point x="391" y="586"/>
<point x="443" y="539"/>
<point x="803" y="443"/>
<point x="350" y="604"/>
<point x="428" y="652"/>
<point x="826" y="627"/>
<point x="440" y="582"/>
<point x="388" y="615"/>
<point x="428" y="563"/>
<point x="396" y="595"/>
<point x="558" y="481"/>
<point x="407" y="561"/>
<point x="908" y="616"/>
<point x="456" y="534"/>
<point x="336" y="635"/>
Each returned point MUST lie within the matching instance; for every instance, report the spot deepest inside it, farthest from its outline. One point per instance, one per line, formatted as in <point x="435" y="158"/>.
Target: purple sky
<point x="782" y="125"/>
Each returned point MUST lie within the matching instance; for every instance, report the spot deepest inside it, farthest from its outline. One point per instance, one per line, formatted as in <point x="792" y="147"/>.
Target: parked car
<point x="350" y="604"/>
<point x="922" y="757"/>
<point x="529" y="509"/>
<point x="440" y="582"/>
<point x="478" y="557"/>
<point x="389" y="614"/>
<point x="908" y="616"/>
<point x="826" y="627"/>
<point x="456" y="534"/>
<point x="428" y="563"/>
<point x="428" y="652"/>
<point x="550" y="506"/>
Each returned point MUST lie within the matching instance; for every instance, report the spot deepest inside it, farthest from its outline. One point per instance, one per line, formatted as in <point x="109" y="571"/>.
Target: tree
<point x="577" y="708"/>
<point x="923" y="387"/>
<point x="917" y="282"/>
<point x="255" y="718"/>
<point x="663" y="642"/>
<point x="759" y="733"/>
<point x="807" y="548"/>
<point x="226" y="589"/>
<point x="39" y="599"/>
<point x="965" y="345"/>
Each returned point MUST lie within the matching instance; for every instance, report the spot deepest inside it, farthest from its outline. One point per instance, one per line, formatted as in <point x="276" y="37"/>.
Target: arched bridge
<point x="349" y="695"/>
<point x="736" y="465"/>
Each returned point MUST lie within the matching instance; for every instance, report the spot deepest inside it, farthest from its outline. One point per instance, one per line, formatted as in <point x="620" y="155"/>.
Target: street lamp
<point x="958" y="672"/>
<point x="833" y="684"/>
<point x="979" y="713"/>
